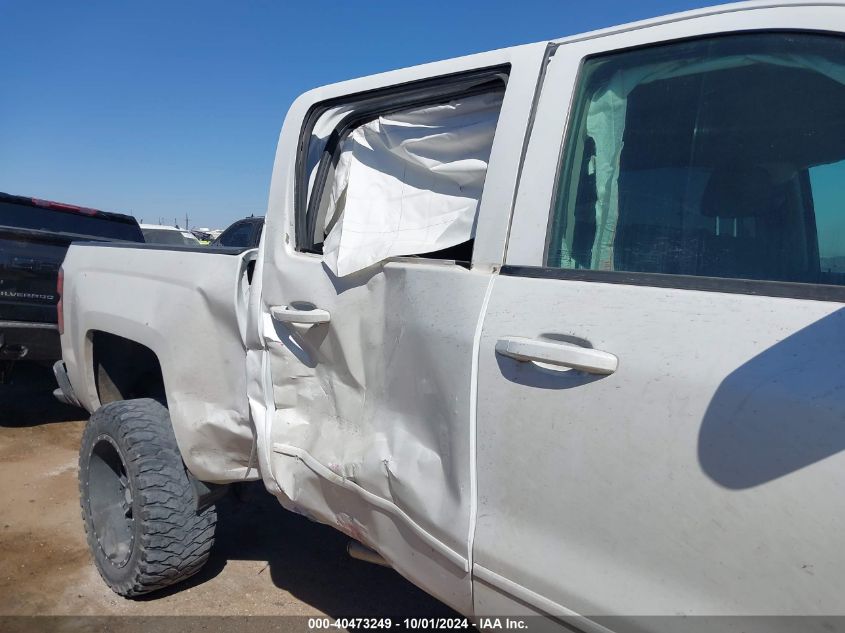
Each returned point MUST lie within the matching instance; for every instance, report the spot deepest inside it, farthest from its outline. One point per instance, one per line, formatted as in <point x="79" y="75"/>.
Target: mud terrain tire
<point x="139" y="506"/>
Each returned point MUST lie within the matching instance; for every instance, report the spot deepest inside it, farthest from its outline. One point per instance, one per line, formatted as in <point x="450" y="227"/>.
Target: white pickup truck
<point x="553" y="329"/>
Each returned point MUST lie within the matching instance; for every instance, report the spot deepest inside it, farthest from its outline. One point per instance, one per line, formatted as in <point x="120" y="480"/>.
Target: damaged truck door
<point x="555" y="329"/>
<point x="373" y="286"/>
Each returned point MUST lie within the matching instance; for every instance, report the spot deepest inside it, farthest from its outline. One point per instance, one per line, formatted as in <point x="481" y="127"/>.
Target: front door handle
<point x="288" y="314"/>
<point x="558" y="353"/>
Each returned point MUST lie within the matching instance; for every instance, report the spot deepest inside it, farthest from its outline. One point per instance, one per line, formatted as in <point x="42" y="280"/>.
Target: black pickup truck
<point x="34" y="236"/>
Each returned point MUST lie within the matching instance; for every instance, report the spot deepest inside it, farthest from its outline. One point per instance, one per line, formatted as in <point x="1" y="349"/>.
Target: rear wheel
<point x="138" y="503"/>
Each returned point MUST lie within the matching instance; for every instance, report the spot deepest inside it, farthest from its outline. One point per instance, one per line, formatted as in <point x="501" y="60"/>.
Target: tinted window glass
<point x="715" y="157"/>
<point x="163" y="236"/>
<point x="35" y="218"/>
<point x="829" y="204"/>
<point x="238" y="235"/>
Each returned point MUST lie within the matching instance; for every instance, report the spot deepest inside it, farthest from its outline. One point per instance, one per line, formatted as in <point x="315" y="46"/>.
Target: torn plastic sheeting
<point x="409" y="183"/>
<point x="320" y="135"/>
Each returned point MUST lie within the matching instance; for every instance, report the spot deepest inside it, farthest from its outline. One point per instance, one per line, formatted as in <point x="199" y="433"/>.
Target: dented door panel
<point x="371" y="430"/>
<point x="364" y="415"/>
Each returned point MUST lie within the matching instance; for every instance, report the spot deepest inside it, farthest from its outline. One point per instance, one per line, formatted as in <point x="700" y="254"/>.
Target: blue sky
<point x="160" y="108"/>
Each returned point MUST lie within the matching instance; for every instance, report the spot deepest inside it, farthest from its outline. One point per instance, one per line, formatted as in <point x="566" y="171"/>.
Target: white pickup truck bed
<point x="187" y="305"/>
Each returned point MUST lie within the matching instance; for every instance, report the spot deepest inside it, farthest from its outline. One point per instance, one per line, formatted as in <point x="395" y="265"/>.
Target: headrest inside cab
<point x="741" y="192"/>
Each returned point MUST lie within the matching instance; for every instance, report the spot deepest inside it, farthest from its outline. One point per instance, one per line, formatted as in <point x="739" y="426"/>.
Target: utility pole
<point x="187" y="226"/>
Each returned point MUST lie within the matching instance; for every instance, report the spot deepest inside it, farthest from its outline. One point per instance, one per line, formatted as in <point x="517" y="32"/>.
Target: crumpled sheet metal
<point x="189" y="309"/>
<point x="369" y="424"/>
<point x="392" y="371"/>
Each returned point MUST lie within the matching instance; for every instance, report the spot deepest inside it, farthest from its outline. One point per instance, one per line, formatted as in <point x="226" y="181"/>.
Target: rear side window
<point x="24" y="216"/>
<point x="239" y="235"/>
<point x="401" y="174"/>
<point x="719" y="157"/>
<point x="165" y="236"/>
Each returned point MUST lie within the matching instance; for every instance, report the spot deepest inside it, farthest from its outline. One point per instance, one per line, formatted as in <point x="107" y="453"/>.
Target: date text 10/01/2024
<point x="491" y="623"/>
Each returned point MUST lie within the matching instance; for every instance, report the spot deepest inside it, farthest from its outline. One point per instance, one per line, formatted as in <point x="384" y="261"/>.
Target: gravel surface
<point x="265" y="561"/>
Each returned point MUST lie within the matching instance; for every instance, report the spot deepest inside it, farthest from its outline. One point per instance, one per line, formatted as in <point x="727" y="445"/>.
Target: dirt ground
<point x="265" y="561"/>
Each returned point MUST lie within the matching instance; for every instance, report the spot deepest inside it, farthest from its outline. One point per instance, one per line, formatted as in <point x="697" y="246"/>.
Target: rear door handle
<point x="558" y="353"/>
<point x="287" y="314"/>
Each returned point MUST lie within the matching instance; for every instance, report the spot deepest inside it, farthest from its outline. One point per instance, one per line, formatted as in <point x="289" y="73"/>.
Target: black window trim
<point x="727" y="285"/>
<point x="255" y="236"/>
<point x="416" y="93"/>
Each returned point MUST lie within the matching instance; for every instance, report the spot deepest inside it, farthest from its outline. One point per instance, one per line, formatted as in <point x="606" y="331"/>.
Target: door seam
<point x="473" y="426"/>
<point x="327" y="474"/>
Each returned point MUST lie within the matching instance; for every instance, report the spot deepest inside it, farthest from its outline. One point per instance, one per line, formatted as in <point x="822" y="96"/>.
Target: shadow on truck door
<point x="781" y="411"/>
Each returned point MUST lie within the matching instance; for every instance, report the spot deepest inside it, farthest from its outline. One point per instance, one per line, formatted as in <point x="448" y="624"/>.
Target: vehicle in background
<point x="203" y="235"/>
<point x="213" y="234"/>
<point x="170" y="235"/>
<point x="244" y="233"/>
<point x="34" y="237"/>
